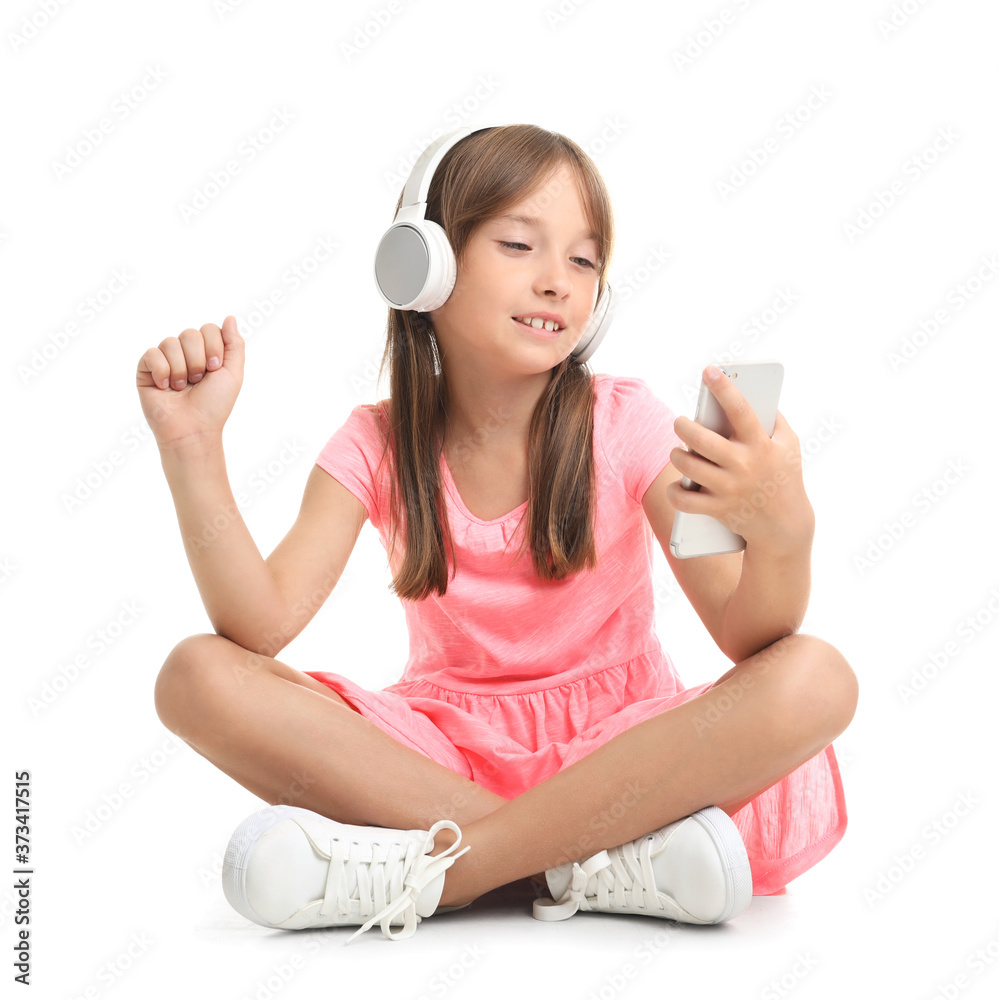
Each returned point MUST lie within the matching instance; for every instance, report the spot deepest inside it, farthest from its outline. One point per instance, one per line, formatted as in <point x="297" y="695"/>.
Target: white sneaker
<point x="694" y="870"/>
<point x="293" y="868"/>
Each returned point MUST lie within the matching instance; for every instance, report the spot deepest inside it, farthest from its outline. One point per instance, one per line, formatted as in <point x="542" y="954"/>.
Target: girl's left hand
<point x="749" y="482"/>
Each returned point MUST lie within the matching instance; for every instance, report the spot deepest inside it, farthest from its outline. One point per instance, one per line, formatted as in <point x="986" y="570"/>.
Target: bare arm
<point x="259" y="604"/>
<point x="238" y="588"/>
<point x="770" y="599"/>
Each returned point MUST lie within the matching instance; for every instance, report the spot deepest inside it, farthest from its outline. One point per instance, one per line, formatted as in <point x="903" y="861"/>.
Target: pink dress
<point x="510" y="680"/>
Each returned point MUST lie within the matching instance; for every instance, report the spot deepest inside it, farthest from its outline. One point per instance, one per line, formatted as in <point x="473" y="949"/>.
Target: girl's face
<point x="537" y="260"/>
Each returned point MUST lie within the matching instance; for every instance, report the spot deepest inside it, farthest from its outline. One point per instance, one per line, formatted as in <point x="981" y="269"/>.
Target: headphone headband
<point x="415" y="267"/>
<point x="418" y="186"/>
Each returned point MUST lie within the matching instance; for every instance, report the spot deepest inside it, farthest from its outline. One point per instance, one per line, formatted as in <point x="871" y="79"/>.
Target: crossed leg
<point x="770" y="713"/>
<point x="288" y="738"/>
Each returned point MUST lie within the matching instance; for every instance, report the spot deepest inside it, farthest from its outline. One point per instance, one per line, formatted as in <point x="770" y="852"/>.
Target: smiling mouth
<point x="537" y="323"/>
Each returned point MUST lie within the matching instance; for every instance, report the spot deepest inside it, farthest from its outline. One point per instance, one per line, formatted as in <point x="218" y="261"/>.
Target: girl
<point x="538" y="718"/>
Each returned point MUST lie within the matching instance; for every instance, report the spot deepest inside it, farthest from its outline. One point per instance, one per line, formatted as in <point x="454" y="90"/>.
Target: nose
<point x="553" y="278"/>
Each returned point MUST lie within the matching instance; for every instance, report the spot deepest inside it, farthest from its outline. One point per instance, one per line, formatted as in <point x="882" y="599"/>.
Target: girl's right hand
<point x="198" y="397"/>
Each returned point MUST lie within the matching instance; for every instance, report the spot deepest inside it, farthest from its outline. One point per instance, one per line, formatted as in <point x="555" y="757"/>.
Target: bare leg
<point x="766" y="716"/>
<point x="289" y="739"/>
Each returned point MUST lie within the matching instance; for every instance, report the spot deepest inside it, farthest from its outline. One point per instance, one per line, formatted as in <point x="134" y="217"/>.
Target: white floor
<point x="141" y="913"/>
<point x="816" y="941"/>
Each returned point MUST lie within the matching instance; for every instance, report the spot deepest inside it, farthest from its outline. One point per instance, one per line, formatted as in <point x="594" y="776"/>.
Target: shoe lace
<point x="619" y="878"/>
<point x="385" y="884"/>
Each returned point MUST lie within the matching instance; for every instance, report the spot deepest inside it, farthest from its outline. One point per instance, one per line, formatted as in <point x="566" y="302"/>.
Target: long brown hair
<point x="478" y="178"/>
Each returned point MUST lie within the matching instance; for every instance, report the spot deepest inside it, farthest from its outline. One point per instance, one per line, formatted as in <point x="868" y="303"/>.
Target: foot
<point x="293" y="868"/>
<point x="694" y="870"/>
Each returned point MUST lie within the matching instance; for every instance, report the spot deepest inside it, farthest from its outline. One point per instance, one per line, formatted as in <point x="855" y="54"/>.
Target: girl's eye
<point x="583" y="261"/>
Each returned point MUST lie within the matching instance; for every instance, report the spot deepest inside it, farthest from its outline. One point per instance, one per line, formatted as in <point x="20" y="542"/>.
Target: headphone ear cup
<point x="596" y="328"/>
<point x="415" y="266"/>
<point x="443" y="270"/>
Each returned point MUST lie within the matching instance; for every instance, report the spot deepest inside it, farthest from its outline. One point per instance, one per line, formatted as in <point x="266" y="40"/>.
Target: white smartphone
<point x="760" y="382"/>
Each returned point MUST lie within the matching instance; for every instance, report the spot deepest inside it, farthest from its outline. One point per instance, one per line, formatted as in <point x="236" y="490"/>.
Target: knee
<point x="186" y="680"/>
<point x="819" y="687"/>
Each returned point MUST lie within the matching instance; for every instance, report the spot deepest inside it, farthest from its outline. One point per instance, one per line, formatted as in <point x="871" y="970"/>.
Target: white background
<point x="133" y="906"/>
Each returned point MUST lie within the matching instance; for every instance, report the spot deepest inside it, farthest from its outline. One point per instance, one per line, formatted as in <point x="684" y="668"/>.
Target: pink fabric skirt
<point x="508" y="743"/>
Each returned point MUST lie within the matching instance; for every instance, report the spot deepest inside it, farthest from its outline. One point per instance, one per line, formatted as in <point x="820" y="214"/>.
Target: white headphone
<point x="414" y="263"/>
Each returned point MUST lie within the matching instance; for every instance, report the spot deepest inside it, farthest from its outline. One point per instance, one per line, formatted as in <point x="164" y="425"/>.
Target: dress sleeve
<point x="353" y="456"/>
<point x="637" y="434"/>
